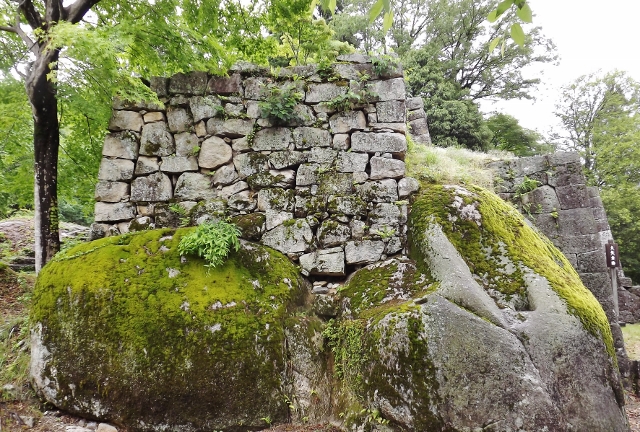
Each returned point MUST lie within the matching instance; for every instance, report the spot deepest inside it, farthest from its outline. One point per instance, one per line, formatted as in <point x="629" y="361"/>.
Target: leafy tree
<point x="596" y="113"/>
<point x="54" y="47"/>
<point x="303" y="39"/>
<point x="16" y="148"/>
<point x="453" y="119"/>
<point x="509" y="135"/>
<point x="600" y="115"/>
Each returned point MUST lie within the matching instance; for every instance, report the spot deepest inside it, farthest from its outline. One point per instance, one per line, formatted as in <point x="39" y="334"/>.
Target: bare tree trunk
<point x="42" y="94"/>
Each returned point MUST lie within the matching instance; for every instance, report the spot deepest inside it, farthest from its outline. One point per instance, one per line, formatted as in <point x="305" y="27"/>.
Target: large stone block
<point x="147" y="165"/>
<point x="115" y="169"/>
<point x="156" y="140"/>
<point x="382" y="168"/>
<point x="125" y="120"/>
<point x="591" y="262"/>
<point x="122" y="145"/>
<point x="308" y="137"/>
<point x="214" y="153"/>
<point x="187" y="144"/>
<point x="192" y="83"/>
<point x="107" y="191"/>
<point x="363" y="252"/>
<point x="178" y="164"/>
<point x="152" y="188"/>
<point x="347" y="205"/>
<point x="309" y="206"/>
<point x="378" y="191"/>
<point x="571" y="197"/>
<point x="286" y="159"/>
<point x="226" y="192"/>
<point x="226" y="85"/>
<point x="322" y="156"/>
<point x="543" y="199"/>
<point x="346" y="122"/>
<point x="391" y="111"/>
<point x="204" y="107"/>
<point x="293" y="237"/>
<point x="179" y="120"/>
<point x="255" y="88"/>
<point x="563" y="158"/>
<point x="194" y="187"/>
<point x="419" y="127"/>
<point x="387" y="90"/>
<point x="107" y="212"/>
<point x="378" y="142"/>
<point x="326" y="262"/>
<point x="272" y="178"/>
<point x="324" y="92"/>
<point x="307" y="174"/>
<point x="352" y="162"/>
<point x="332" y="233"/>
<point x="415" y="103"/>
<point x="274" y="218"/>
<point x="407" y="186"/>
<point x="272" y="139"/>
<point x="225" y="175"/>
<point x="386" y="214"/>
<point x="232" y="128"/>
<point x="335" y="183"/>
<point x="250" y="163"/>
<point x="276" y="199"/>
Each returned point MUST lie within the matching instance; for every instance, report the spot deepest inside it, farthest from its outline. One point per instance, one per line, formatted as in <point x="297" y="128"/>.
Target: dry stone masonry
<point x="327" y="188"/>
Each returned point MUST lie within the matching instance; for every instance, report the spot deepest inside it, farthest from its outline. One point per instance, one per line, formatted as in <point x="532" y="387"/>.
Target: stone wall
<point x="570" y="214"/>
<point x="328" y="188"/>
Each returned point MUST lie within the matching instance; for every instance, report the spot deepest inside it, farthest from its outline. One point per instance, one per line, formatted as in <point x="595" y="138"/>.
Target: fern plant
<point x="211" y="241"/>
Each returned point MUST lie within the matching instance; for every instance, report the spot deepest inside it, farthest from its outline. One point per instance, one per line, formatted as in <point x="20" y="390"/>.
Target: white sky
<point x="590" y="36"/>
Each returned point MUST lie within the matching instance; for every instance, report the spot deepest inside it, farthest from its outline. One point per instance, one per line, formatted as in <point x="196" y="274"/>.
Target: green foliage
<point x="383" y="64"/>
<point x="302" y="38"/>
<point x="345" y="340"/>
<point x="211" y="241"/>
<point x="280" y="102"/>
<point x="352" y="98"/>
<point x="182" y="213"/>
<point x="508" y="135"/>
<point x="527" y="185"/>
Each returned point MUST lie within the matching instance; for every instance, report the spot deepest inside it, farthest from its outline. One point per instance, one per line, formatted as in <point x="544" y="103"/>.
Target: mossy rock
<point x="126" y="331"/>
<point x="489" y="328"/>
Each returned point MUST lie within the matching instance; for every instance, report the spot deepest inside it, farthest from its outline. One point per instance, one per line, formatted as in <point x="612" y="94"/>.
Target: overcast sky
<point x="590" y="36"/>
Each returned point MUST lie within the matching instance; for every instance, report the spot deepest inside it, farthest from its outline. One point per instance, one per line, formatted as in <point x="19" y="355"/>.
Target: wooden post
<point x="613" y="262"/>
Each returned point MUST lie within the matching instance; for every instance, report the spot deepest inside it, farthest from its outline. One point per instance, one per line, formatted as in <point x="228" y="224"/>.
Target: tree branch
<point x="31" y="14"/>
<point x="75" y="11"/>
<point x="8" y="29"/>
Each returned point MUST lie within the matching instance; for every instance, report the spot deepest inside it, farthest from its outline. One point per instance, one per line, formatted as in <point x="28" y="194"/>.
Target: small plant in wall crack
<point x="182" y="214"/>
<point x="280" y="102"/>
<point x="527" y="185"/>
<point x="211" y="241"/>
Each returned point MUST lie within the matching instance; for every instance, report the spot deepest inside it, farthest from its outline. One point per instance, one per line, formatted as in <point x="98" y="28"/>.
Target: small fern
<point x="211" y="241"/>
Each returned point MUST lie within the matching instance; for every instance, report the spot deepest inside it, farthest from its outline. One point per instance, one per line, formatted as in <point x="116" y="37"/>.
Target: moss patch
<point x="127" y="321"/>
<point x="503" y="229"/>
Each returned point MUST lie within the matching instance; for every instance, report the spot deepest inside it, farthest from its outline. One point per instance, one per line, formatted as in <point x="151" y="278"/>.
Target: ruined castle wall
<point x="327" y="187"/>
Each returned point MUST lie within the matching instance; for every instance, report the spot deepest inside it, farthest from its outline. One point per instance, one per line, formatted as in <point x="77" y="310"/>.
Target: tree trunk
<point x="42" y="94"/>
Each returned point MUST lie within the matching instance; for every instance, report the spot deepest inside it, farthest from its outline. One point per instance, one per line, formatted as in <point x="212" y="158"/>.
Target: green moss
<point x="125" y="310"/>
<point x="250" y="225"/>
<point x="394" y="281"/>
<point x="503" y="229"/>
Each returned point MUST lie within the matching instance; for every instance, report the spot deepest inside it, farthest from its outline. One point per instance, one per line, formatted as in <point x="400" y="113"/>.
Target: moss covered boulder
<point x="126" y="330"/>
<point x="489" y="328"/>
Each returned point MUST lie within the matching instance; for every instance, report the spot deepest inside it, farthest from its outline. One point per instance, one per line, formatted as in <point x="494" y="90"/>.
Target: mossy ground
<point x="171" y="328"/>
<point x="502" y="224"/>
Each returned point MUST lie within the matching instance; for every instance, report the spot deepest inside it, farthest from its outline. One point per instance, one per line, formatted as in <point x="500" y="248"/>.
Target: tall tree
<point x="600" y="115"/>
<point x="510" y="136"/>
<point x="51" y="45"/>
<point x="590" y="109"/>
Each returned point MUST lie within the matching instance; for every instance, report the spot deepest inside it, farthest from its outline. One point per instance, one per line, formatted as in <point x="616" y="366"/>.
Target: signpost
<point x="613" y="262"/>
